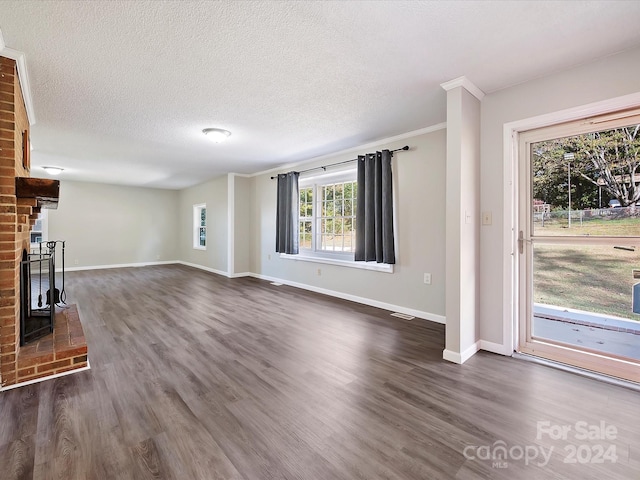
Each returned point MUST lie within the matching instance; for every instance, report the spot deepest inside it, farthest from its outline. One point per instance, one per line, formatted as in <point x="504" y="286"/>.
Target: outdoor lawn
<point x="611" y="222"/>
<point x="593" y="278"/>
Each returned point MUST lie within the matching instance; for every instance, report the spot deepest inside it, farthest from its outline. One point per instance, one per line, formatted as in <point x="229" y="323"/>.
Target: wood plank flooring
<point x="195" y="376"/>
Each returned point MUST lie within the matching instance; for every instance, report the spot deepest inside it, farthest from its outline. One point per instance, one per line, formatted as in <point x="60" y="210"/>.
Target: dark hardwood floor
<point x="194" y="376"/>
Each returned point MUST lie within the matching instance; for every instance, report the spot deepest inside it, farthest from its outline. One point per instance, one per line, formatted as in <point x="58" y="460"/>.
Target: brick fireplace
<point x="21" y="199"/>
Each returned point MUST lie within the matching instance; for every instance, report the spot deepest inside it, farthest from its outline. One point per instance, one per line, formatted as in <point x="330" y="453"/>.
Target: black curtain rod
<point x="324" y="167"/>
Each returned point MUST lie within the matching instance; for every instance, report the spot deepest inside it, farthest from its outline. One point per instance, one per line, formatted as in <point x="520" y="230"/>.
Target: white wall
<point x="108" y="224"/>
<point x="419" y="182"/>
<point x="214" y="194"/>
<point x="610" y="77"/>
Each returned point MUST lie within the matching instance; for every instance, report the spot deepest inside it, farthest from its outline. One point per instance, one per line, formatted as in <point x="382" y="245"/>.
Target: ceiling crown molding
<point x="466" y="84"/>
<point x="23" y="77"/>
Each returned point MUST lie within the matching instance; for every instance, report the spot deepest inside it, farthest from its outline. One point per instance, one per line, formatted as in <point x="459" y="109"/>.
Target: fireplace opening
<point x="37" y="295"/>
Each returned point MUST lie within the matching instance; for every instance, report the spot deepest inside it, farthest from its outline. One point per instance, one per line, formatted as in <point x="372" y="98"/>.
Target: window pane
<point x="203" y="217"/>
<point x="328" y="210"/>
<point x="337" y="213"/>
<point x="338" y="191"/>
<point x="203" y="236"/>
<point x="338" y="207"/>
<point x="348" y="208"/>
<point x="587" y="184"/>
<point x="327" y="242"/>
<point x="328" y="191"/>
<point x="348" y="190"/>
<point x="305" y="234"/>
<point x="333" y="216"/>
<point x="348" y="225"/>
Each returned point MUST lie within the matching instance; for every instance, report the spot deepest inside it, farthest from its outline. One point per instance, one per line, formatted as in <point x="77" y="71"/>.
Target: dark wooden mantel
<point x="44" y="190"/>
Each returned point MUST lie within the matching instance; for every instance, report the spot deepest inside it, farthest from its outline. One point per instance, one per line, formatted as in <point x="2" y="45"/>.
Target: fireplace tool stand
<point x="37" y="272"/>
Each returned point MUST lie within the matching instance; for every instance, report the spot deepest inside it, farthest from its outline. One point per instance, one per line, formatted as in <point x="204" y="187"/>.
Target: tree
<point x="550" y="179"/>
<point x="615" y="156"/>
<point x="608" y="159"/>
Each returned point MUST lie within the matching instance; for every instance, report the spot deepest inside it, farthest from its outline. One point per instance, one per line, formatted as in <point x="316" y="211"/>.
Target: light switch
<point x="486" y="218"/>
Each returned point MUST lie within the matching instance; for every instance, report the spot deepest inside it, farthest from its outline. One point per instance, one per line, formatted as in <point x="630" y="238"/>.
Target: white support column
<point x="231" y="215"/>
<point x="463" y="219"/>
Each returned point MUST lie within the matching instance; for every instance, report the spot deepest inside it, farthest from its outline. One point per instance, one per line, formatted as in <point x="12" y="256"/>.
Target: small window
<point x="200" y="226"/>
<point x="328" y="215"/>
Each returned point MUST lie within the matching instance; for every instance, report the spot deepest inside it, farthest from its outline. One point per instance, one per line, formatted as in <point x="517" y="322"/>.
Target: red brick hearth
<point x="61" y="351"/>
<point x="21" y="199"/>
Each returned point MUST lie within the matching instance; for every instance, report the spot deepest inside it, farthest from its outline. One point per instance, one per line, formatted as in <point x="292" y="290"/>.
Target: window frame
<point x="314" y="254"/>
<point x="317" y="182"/>
<point x="197" y="213"/>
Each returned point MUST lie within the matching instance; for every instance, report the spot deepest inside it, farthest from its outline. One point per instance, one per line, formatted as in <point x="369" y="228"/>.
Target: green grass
<point x="611" y="226"/>
<point x="593" y="278"/>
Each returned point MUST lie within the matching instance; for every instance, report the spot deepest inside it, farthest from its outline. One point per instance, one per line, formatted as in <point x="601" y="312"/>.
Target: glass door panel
<point x="580" y="245"/>
<point x="583" y="296"/>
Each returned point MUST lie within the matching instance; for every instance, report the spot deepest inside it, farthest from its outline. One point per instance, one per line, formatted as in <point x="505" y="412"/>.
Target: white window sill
<point x="378" y="267"/>
<point x="199" y="248"/>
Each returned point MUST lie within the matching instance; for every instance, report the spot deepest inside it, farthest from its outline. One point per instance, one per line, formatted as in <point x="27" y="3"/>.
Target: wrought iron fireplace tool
<point x="40" y="278"/>
<point x="59" y="296"/>
<point x="53" y="291"/>
<point x="63" y="294"/>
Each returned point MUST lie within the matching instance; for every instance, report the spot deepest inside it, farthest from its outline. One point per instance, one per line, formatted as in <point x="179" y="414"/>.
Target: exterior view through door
<point x="579" y="244"/>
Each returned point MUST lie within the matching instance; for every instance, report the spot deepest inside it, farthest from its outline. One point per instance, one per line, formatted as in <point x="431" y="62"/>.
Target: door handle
<point x="521" y="242"/>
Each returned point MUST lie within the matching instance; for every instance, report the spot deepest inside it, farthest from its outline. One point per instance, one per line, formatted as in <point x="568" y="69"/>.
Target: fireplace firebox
<point x="37" y="295"/>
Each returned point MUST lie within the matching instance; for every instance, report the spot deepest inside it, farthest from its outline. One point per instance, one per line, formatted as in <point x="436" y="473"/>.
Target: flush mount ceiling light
<point x="53" y="170"/>
<point x="216" y="134"/>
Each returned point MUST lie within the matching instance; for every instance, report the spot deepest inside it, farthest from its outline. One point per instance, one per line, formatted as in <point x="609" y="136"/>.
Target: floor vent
<point x="276" y="284"/>
<point x="403" y="316"/>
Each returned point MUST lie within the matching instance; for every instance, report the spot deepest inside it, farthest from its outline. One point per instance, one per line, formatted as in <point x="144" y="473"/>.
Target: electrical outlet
<point x="269" y="256"/>
<point x="319" y="272"/>
<point x="158" y="257"/>
<point x="76" y="261"/>
<point x="486" y="218"/>
<point x="427" y="278"/>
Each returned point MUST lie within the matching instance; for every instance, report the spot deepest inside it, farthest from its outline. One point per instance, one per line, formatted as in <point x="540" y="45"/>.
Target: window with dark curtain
<point x="374" y="214"/>
<point x="287" y="213"/>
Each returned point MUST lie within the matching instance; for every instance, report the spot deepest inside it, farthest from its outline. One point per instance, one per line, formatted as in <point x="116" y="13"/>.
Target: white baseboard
<point x="492" y="347"/>
<point x="451" y="356"/>
<point x="202" y="267"/>
<point x="116" y="265"/>
<point x="460" y="358"/>
<point x="354" y="298"/>
<point x="433" y="317"/>
<point x="38" y="380"/>
<point x="242" y="274"/>
<point x="498" y="348"/>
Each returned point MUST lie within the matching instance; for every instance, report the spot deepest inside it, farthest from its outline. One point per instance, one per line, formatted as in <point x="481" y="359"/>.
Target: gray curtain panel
<point x="374" y="212"/>
<point x="287" y="213"/>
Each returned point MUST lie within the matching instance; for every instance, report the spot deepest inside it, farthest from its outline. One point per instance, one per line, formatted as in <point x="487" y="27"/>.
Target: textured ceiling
<point x="122" y="90"/>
